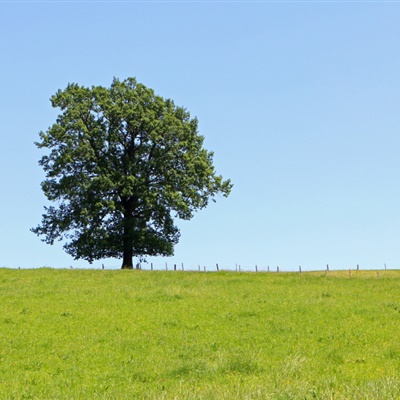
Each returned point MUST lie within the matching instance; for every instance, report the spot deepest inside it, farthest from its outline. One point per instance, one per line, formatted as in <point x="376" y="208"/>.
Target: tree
<point x="121" y="164"/>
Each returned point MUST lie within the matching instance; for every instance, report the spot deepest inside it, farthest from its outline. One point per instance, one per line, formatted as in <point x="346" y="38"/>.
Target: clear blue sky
<point x="299" y="101"/>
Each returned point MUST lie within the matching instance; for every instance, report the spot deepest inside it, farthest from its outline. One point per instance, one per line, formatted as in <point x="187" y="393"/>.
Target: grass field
<point x="85" y="334"/>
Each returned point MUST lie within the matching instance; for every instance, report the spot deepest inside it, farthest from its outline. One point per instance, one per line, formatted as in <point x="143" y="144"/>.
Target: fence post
<point x="205" y="269"/>
<point x="327" y="267"/>
<point x="102" y="266"/>
<point x="256" y="269"/>
<point x="217" y="267"/>
<point x="300" y="269"/>
<point x="199" y="267"/>
<point x="268" y="268"/>
<point x="166" y="266"/>
<point x="152" y="266"/>
<point x="358" y="267"/>
<point x="182" y="267"/>
<point x="239" y="267"/>
<point x="385" y="266"/>
<point x="277" y="270"/>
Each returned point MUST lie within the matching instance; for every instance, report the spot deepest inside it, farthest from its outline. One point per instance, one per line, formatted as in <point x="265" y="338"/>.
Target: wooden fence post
<point x="277" y="270"/>
<point x="300" y="269"/>
<point x="152" y="266"/>
<point x="358" y="267"/>
<point x="174" y="267"/>
<point x="217" y="267"/>
<point x="256" y="269"/>
<point x="205" y="269"/>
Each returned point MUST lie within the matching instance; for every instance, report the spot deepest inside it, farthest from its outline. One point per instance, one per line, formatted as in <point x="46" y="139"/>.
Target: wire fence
<point x="148" y="266"/>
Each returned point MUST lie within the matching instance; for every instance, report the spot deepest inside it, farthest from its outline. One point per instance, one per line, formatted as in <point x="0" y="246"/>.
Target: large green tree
<point x="121" y="164"/>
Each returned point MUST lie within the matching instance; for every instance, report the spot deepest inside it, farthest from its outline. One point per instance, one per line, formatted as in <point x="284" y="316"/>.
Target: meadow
<point x="86" y="334"/>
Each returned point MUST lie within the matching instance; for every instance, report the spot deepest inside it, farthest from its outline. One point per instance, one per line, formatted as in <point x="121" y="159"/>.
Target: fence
<point x="237" y="268"/>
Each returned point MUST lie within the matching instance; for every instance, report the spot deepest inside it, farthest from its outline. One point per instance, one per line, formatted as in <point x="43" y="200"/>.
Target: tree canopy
<point x="121" y="164"/>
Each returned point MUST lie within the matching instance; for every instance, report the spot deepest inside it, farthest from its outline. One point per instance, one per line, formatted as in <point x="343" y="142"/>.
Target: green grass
<point x="75" y="334"/>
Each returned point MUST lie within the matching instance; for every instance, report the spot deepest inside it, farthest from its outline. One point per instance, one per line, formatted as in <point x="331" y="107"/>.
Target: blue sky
<point x="298" y="100"/>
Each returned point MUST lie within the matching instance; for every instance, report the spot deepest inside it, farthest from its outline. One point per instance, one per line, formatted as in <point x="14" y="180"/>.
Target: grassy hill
<point x="84" y="334"/>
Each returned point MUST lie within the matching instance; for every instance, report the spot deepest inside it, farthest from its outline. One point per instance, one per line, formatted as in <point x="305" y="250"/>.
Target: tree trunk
<point x="127" y="262"/>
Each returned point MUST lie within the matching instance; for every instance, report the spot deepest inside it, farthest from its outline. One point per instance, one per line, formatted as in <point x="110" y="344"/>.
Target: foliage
<point x="188" y="335"/>
<point x="122" y="163"/>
